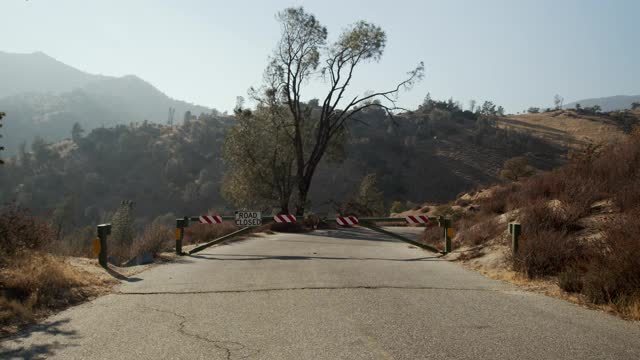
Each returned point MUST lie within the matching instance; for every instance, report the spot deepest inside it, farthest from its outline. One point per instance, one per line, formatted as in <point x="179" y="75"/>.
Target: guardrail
<point x="104" y="230"/>
<point x="369" y="223"/>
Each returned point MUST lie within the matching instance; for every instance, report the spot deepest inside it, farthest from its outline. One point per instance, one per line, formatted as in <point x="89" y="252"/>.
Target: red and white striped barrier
<point x="210" y="219"/>
<point x="417" y="219"/>
<point x="285" y="218"/>
<point x="346" y="220"/>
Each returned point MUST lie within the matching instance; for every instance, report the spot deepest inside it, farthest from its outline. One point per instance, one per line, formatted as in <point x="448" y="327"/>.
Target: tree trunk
<point x="284" y="207"/>
<point x="303" y="190"/>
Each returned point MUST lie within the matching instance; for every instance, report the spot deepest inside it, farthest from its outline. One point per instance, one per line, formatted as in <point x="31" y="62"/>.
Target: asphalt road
<point x="338" y="294"/>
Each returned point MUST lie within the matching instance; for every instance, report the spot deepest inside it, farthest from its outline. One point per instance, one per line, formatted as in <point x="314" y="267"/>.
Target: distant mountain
<point x="611" y="103"/>
<point x="38" y="72"/>
<point x="44" y="97"/>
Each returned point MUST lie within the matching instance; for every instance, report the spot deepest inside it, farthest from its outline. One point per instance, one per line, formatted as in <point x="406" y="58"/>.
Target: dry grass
<point x="549" y="287"/>
<point x="565" y="127"/>
<point x="604" y="271"/>
<point x="33" y="282"/>
<point x="21" y="232"/>
<point x="36" y="284"/>
<point x="155" y="238"/>
<point x="201" y="233"/>
<point x="479" y="230"/>
<point x="433" y="236"/>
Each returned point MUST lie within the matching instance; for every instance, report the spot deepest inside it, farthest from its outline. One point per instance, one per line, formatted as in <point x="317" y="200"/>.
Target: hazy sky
<point x="515" y="53"/>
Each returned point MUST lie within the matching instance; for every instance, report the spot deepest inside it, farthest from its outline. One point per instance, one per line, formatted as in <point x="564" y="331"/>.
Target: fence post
<point x="515" y="229"/>
<point x="445" y="224"/>
<point x="180" y="225"/>
<point x="103" y="232"/>
<point x="447" y="238"/>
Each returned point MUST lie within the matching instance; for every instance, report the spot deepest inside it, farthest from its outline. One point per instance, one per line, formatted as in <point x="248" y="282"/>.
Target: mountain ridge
<point x="607" y="103"/>
<point x="44" y="97"/>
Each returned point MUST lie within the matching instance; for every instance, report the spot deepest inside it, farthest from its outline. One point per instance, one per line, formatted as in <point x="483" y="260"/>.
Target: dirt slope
<point x="568" y="128"/>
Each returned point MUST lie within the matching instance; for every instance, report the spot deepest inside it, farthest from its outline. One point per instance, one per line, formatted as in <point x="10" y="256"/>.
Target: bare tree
<point x="298" y="55"/>
<point x="558" y="101"/>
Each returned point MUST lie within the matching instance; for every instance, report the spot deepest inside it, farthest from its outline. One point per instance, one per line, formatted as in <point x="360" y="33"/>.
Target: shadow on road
<point x="37" y="351"/>
<point x="357" y="234"/>
<point x="249" y="257"/>
<point x="119" y="276"/>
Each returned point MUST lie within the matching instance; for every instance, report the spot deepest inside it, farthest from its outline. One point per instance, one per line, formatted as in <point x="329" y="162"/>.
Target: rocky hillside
<point x="579" y="229"/>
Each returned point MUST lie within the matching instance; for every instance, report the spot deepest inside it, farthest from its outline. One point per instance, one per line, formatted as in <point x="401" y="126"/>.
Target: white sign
<point x="248" y="218"/>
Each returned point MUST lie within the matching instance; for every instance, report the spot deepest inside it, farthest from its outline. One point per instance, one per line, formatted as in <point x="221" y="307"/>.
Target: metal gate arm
<point x="399" y="237"/>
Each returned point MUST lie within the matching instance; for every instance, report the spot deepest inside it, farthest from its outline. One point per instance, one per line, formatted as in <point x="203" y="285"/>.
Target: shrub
<point x="397" y="207"/>
<point x="37" y="282"/>
<point x="551" y="216"/>
<point x="614" y="273"/>
<point x="21" y="232"/>
<point x="199" y="233"/>
<point x="478" y="233"/>
<point x="78" y="242"/>
<point x="516" y="168"/>
<point x="570" y="280"/>
<point x="122" y="225"/>
<point x="155" y="239"/>
<point x="546" y="252"/>
<point x="499" y="201"/>
<point x="434" y="236"/>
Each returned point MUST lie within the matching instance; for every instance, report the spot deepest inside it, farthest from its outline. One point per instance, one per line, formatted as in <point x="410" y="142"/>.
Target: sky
<point x="514" y="53"/>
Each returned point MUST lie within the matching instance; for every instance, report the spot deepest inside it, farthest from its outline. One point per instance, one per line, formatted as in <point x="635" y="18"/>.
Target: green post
<point x="447" y="238"/>
<point x="445" y="224"/>
<point x="180" y="225"/>
<point x="515" y="229"/>
<point x="103" y="232"/>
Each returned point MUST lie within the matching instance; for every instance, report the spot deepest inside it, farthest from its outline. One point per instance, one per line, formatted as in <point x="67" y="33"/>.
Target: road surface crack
<point x="240" y="291"/>
<point x="227" y="346"/>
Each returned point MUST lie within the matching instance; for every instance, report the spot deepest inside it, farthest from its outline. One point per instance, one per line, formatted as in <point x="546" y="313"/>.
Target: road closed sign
<point x="248" y="218"/>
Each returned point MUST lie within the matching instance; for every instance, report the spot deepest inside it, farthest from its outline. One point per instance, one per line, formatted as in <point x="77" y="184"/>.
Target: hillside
<point x="579" y="225"/>
<point x="571" y="129"/>
<point x="431" y="154"/>
<point x="38" y="72"/>
<point x="610" y="103"/>
<point x="44" y="97"/>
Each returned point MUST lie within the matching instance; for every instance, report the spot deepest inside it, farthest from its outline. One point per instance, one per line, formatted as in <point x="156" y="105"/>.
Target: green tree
<point x="122" y="225"/>
<point x="533" y="110"/>
<point x="397" y="207"/>
<point x="516" y="168"/>
<point x="635" y="105"/>
<point x="370" y="196"/>
<point x="76" y="133"/>
<point x="63" y="217"/>
<point x="299" y="53"/>
<point x="369" y="200"/>
<point x="258" y="150"/>
<point x="472" y="105"/>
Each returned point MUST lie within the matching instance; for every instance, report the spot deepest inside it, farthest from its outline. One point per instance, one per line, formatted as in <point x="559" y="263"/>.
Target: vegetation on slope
<point x="579" y="224"/>
<point x="33" y="281"/>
